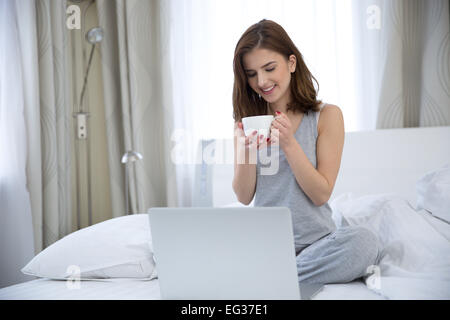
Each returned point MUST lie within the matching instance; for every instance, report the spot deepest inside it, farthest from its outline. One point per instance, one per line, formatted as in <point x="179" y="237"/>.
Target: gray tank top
<point x="280" y="188"/>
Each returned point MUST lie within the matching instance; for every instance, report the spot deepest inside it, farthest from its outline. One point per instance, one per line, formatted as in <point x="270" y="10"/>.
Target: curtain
<point x="137" y="96"/>
<point x="16" y="230"/>
<point x="35" y="132"/>
<point x="50" y="128"/>
<point x="403" y="64"/>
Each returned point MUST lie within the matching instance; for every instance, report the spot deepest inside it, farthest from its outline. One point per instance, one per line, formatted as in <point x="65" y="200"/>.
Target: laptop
<point x="226" y="254"/>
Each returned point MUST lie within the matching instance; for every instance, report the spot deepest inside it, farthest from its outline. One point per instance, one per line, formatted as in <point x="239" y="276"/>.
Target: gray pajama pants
<point x="342" y="256"/>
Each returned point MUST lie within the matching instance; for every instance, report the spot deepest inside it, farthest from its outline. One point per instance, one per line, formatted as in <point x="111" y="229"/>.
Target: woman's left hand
<point x="282" y="131"/>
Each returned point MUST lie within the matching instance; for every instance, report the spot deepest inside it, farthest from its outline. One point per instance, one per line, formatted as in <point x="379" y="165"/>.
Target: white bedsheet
<point x="45" y="289"/>
<point x="415" y="256"/>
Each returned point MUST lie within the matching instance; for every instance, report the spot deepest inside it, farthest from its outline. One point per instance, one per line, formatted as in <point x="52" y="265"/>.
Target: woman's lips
<point x="268" y="92"/>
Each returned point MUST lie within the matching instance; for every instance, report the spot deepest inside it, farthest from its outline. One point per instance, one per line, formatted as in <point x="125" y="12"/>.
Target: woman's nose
<point x="261" y="80"/>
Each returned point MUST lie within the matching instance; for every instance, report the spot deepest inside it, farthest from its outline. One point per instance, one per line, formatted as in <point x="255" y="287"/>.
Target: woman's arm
<point x="318" y="183"/>
<point x="244" y="180"/>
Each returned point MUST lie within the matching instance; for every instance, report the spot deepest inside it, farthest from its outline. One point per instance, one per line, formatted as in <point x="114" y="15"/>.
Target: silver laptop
<point x="226" y="254"/>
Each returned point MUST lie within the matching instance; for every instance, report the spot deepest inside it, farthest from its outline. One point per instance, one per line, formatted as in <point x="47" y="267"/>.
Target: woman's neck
<point x="281" y="105"/>
<point x="281" y="108"/>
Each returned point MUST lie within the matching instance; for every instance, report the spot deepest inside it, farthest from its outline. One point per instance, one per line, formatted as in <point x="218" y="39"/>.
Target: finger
<point x="252" y="135"/>
<point x="275" y="130"/>
<point x="269" y="141"/>
<point x="276" y="125"/>
<point x="281" y="123"/>
<point x="274" y="135"/>
<point x="280" y="114"/>
<point x="251" y="138"/>
<point x="266" y="143"/>
<point x="282" y="119"/>
<point x="262" y="144"/>
<point x="260" y="139"/>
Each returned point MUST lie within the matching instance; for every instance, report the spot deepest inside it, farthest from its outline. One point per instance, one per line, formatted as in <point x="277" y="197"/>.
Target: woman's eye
<point x="251" y="75"/>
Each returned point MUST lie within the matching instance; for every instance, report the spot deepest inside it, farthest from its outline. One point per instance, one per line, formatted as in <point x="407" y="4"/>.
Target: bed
<point x="390" y="181"/>
<point x="46" y="289"/>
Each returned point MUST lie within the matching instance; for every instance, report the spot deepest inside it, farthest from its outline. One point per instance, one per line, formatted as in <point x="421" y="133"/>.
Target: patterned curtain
<point x="138" y="109"/>
<point x="416" y="91"/>
<point x="50" y="128"/>
<point x="404" y="72"/>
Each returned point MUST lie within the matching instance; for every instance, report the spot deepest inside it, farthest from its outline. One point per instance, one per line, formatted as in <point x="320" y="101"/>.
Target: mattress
<point x="46" y="289"/>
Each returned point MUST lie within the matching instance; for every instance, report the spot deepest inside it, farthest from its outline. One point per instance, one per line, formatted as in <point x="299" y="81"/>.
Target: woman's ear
<point x="292" y="63"/>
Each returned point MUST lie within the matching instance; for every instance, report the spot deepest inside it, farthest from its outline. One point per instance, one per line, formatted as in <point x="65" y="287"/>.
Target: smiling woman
<point x="272" y="78"/>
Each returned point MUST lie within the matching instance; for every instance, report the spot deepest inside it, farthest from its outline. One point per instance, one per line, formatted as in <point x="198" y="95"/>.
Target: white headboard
<point x="373" y="162"/>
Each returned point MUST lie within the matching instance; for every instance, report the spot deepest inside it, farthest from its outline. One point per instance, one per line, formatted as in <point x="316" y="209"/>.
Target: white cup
<point x="258" y="123"/>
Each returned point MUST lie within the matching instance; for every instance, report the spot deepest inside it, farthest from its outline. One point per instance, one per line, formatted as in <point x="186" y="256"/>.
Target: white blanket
<point x="415" y="256"/>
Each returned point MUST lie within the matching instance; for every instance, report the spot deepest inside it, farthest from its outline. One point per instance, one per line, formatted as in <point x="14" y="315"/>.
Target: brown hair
<point x="269" y="35"/>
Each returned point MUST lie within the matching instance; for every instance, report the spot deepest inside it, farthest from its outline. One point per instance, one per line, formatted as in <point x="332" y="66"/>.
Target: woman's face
<point x="269" y="74"/>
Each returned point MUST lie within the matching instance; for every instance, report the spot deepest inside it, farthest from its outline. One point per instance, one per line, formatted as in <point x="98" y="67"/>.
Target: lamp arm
<point x="86" y="75"/>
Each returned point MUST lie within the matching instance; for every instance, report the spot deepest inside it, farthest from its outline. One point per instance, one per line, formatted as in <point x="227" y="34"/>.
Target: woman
<point x="272" y="78"/>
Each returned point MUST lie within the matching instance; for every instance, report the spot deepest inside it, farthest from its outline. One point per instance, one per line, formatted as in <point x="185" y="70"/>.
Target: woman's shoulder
<point x="325" y="105"/>
<point x="330" y="116"/>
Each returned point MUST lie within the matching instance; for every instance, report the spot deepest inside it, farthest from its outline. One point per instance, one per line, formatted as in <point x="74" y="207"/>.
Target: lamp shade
<point x="131" y="156"/>
<point x="94" y="35"/>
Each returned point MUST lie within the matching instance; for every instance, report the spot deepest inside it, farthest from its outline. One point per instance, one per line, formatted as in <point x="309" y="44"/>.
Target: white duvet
<point x="415" y="256"/>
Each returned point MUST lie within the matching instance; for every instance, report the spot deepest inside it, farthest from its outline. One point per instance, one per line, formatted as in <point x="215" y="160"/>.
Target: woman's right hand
<point x="244" y="143"/>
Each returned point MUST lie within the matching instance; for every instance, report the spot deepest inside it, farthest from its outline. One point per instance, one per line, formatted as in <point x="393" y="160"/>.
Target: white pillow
<point x="116" y="248"/>
<point x="433" y="193"/>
